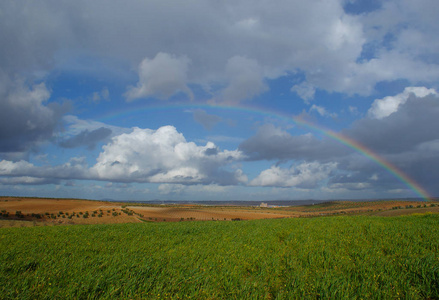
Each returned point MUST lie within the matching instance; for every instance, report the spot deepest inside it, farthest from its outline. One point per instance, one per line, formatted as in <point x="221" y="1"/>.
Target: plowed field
<point x="38" y="211"/>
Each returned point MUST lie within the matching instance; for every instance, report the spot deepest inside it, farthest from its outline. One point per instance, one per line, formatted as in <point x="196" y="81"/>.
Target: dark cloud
<point x="211" y="151"/>
<point x="415" y="122"/>
<point x="406" y="139"/>
<point x="208" y="121"/>
<point x="24" y="171"/>
<point x="243" y="44"/>
<point x="25" y="117"/>
<point x="87" y="138"/>
<point x="272" y="143"/>
<point x="26" y="180"/>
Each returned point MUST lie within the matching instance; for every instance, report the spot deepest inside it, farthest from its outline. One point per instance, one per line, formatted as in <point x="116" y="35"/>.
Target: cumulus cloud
<point x="208" y="121"/>
<point x="403" y="124"/>
<point x="162" y="76"/>
<point x="26" y="119"/>
<point x="143" y="155"/>
<point x="246" y="79"/>
<point x="164" y="156"/>
<point x="305" y="175"/>
<point x="382" y="108"/>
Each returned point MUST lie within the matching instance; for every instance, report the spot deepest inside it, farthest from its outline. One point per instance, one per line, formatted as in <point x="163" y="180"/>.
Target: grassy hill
<point x="330" y="257"/>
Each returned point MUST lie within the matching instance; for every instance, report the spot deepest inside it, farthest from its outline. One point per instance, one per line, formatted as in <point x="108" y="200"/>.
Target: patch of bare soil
<point x="181" y="213"/>
<point x="40" y="211"/>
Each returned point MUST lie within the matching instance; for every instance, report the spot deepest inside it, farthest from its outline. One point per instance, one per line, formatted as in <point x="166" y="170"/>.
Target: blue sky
<point x="196" y="100"/>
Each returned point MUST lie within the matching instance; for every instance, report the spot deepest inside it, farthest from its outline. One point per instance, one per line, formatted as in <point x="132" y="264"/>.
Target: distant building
<point x="263" y="204"/>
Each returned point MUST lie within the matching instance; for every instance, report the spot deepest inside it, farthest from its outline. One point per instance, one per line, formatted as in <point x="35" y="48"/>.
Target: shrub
<point x="38" y="216"/>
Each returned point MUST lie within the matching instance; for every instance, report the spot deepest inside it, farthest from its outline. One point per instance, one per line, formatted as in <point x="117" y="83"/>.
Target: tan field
<point x="17" y="211"/>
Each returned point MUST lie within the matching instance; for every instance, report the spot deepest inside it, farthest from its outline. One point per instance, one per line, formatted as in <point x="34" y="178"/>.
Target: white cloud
<point x="164" y="156"/>
<point x="382" y="108"/>
<point x="322" y="111"/>
<point x="246" y="79"/>
<point x="304" y="175"/>
<point x="305" y="91"/>
<point x="162" y="76"/>
<point x="144" y="155"/>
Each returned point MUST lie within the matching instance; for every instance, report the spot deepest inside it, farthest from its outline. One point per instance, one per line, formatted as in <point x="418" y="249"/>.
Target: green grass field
<point x="330" y="257"/>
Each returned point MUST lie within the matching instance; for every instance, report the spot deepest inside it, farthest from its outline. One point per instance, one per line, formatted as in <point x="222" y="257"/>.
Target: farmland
<point x="339" y="249"/>
<point x="18" y="212"/>
<point x="331" y="257"/>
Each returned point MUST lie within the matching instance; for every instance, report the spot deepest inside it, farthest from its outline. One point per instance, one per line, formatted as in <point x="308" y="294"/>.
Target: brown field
<point x="17" y="211"/>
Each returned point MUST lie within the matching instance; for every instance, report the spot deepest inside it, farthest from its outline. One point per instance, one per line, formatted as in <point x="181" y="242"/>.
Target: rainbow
<point x="347" y="141"/>
<point x="392" y="169"/>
